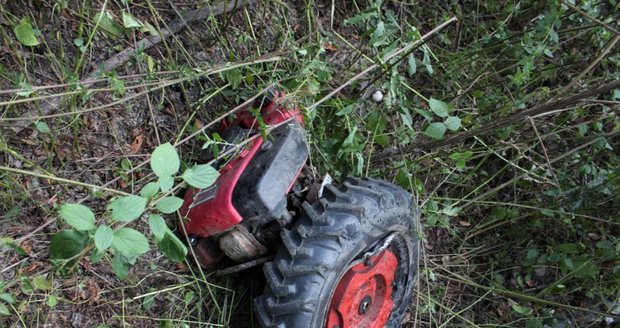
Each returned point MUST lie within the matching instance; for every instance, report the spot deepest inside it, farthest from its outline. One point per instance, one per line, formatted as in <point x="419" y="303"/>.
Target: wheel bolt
<point x="365" y="305"/>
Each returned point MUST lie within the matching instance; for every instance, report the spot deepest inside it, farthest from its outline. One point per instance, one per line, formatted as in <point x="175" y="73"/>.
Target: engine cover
<point x="260" y="193"/>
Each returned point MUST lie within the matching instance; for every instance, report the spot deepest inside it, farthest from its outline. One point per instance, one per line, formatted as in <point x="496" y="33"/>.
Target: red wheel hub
<point x="363" y="297"/>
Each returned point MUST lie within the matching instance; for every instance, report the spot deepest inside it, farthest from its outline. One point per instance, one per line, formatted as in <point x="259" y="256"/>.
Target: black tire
<point x="338" y="229"/>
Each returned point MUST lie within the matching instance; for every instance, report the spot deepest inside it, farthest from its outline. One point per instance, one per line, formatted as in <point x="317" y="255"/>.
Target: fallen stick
<point x="121" y="58"/>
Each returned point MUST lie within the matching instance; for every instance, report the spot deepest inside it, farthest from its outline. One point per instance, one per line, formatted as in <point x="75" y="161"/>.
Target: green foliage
<point x="129" y="21"/>
<point x="200" y="176"/>
<point x="127" y="208"/>
<point x="169" y="205"/>
<point x="103" y="238"/>
<point x="106" y="21"/>
<point x="158" y="226"/>
<point x="436" y="130"/>
<point x="439" y="107"/>
<point x="130" y="242"/>
<point x="25" y="33"/>
<point x="172" y="247"/>
<point x="43" y="127"/>
<point x="149" y="190"/>
<point x="78" y="216"/>
<point x="67" y="245"/>
<point x="165" y="160"/>
<point x="127" y="244"/>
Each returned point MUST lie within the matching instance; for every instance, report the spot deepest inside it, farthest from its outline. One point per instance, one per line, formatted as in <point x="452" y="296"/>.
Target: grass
<point x="521" y="222"/>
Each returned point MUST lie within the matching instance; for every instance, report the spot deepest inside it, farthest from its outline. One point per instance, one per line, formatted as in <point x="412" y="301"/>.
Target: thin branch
<point x="51" y="177"/>
<point x="126" y="54"/>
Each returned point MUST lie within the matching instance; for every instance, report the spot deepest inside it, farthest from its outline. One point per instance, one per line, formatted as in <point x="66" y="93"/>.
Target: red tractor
<point x="333" y="256"/>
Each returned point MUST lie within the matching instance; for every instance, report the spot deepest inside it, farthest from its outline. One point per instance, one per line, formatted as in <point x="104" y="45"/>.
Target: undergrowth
<point x="521" y="222"/>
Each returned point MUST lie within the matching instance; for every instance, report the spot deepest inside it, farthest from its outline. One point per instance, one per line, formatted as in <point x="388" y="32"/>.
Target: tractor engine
<point x="251" y="190"/>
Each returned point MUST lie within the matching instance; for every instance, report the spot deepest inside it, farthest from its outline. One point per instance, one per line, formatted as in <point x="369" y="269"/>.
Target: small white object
<point x="377" y="96"/>
<point x="327" y="179"/>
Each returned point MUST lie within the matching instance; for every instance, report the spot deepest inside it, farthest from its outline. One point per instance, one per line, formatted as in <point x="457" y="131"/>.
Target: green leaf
<point x="103" y="238"/>
<point x="426" y="114"/>
<point x="106" y="22"/>
<point x="348" y="141"/>
<point x="25" y="33"/>
<point x="233" y="76"/>
<point x="9" y="298"/>
<point x="453" y="123"/>
<point x="166" y="183"/>
<point x="165" y="160"/>
<point x="78" y="216"/>
<point x="427" y="62"/>
<point x="67" y="244"/>
<point x="169" y="204"/>
<point x="413" y="66"/>
<point x="130" y="242"/>
<point x="52" y="300"/>
<point x="40" y="283"/>
<point x="127" y="208"/>
<point x="130" y="22"/>
<point x="200" y="176"/>
<point x="451" y="211"/>
<point x="43" y="127"/>
<point x="379" y="30"/>
<point x="120" y="266"/>
<point x="436" y="130"/>
<point x="522" y="310"/>
<point x="150" y="28"/>
<point x="172" y="247"/>
<point x="378" y="35"/>
<point x="463" y="155"/>
<point x="149" y="190"/>
<point x="4" y="310"/>
<point x="158" y="226"/>
<point x="96" y="256"/>
<point x="438" y="107"/>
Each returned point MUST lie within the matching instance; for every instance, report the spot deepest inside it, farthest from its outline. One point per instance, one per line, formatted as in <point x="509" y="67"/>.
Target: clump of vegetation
<point x="503" y="122"/>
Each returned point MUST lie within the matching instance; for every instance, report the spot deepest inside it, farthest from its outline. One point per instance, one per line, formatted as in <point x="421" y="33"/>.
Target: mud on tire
<point x="339" y="229"/>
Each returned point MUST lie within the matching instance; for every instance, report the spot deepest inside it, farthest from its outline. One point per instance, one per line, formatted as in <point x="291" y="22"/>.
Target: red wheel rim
<point x="363" y="297"/>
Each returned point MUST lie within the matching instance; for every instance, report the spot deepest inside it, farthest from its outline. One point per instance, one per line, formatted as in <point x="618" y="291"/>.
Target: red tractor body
<point x="252" y="186"/>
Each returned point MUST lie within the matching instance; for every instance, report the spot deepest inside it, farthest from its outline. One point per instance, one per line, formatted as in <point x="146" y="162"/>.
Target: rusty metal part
<point x="240" y="245"/>
<point x="207" y="252"/>
<point x="243" y="266"/>
<point x="316" y="189"/>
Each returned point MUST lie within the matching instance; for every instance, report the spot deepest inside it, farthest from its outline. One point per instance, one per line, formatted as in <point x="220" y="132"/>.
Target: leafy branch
<point x="111" y="235"/>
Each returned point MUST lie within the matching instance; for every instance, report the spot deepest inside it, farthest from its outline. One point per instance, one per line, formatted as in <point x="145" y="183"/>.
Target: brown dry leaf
<point x="86" y="264"/>
<point x="464" y="223"/>
<point x="136" y="145"/>
<point x="329" y="46"/>
<point x="33" y="266"/>
<point x="53" y="200"/>
<point x="169" y="110"/>
<point x="26" y="246"/>
<point x="198" y="124"/>
<point x="61" y="153"/>
<point x="93" y="290"/>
